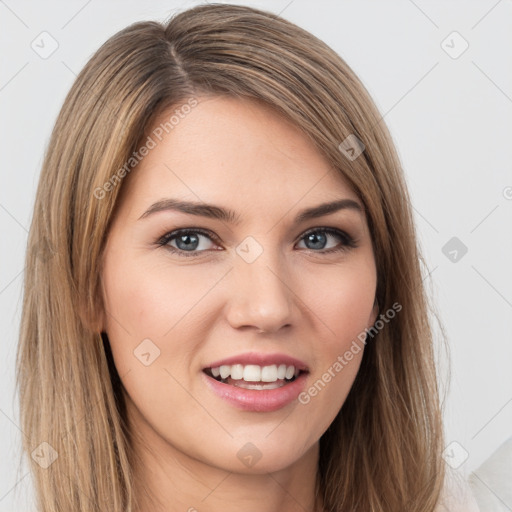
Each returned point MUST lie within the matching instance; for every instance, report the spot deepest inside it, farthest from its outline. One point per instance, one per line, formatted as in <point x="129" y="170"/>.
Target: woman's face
<point x="272" y="289"/>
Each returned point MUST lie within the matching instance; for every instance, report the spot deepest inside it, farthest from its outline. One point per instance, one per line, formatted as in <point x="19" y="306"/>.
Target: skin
<point x="293" y="299"/>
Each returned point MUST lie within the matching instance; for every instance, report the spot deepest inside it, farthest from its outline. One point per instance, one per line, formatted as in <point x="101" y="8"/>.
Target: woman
<point x="223" y="302"/>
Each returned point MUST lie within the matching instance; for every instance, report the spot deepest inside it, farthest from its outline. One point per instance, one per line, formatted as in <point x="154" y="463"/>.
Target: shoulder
<point x="490" y="482"/>
<point x="456" y="495"/>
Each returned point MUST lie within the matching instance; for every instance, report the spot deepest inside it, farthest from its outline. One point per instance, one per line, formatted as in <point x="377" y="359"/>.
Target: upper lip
<point x="260" y="359"/>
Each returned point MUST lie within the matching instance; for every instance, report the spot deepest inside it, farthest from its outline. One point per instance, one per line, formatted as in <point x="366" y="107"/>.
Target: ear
<point x="100" y="317"/>
<point x="95" y="321"/>
<point x="92" y="313"/>
<point x="374" y="313"/>
<point x="100" y="321"/>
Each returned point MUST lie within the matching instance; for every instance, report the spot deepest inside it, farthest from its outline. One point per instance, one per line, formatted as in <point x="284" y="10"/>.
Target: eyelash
<point x="347" y="241"/>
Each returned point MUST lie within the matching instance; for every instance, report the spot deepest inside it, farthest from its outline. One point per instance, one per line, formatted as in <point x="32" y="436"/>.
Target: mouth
<point x="257" y="382"/>
<point x="255" y="377"/>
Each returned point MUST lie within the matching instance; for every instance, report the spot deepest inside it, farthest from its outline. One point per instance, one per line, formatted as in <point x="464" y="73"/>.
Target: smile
<point x="257" y="387"/>
<point x="253" y="376"/>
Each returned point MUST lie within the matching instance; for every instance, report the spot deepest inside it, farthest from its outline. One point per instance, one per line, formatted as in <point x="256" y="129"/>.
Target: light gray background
<point x="450" y="119"/>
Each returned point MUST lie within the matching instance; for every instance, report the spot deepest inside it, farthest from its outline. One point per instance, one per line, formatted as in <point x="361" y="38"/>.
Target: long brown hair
<point x="383" y="450"/>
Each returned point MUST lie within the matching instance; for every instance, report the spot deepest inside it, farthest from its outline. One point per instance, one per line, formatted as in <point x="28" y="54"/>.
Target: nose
<point x="261" y="295"/>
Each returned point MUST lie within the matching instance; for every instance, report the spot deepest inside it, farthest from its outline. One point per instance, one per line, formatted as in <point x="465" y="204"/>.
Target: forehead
<point x="236" y="151"/>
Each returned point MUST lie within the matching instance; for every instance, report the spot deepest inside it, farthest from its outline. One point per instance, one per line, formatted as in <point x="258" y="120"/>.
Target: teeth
<point x="252" y="373"/>
<point x="269" y="373"/>
<point x="225" y="371"/>
<point x="255" y="373"/>
<point x="237" y="371"/>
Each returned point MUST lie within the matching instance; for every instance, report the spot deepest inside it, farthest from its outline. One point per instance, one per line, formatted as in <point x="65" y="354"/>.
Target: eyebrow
<point x="217" y="212"/>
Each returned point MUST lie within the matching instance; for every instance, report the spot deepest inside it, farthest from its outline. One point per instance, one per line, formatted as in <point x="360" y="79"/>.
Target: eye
<point x="318" y="238"/>
<point x="187" y="242"/>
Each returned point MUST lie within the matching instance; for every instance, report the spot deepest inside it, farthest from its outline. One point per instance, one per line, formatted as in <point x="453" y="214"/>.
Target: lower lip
<point x="265" y="400"/>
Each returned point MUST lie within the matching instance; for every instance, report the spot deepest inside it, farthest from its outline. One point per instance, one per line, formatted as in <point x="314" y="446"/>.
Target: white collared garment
<point x="457" y="495"/>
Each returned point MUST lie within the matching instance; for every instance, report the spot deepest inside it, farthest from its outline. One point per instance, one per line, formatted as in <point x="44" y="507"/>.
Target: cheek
<point x="150" y="300"/>
<point x="153" y="301"/>
<point x="345" y="302"/>
<point x="344" y="312"/>
<point x="151" y="328"/>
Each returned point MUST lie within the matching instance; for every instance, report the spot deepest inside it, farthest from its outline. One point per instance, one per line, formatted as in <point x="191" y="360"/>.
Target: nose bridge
<point x="262" y="296"/>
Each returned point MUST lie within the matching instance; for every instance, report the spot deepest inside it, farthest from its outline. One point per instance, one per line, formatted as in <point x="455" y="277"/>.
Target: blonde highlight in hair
<point x="383" y="450"/>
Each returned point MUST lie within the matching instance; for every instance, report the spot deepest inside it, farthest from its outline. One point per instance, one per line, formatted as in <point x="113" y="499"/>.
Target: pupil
<point x="314" y="237"/>
<point x="186" y="239"/>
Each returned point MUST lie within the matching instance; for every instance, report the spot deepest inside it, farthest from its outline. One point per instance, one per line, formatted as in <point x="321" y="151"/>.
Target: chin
<point x="260" y="454"/>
